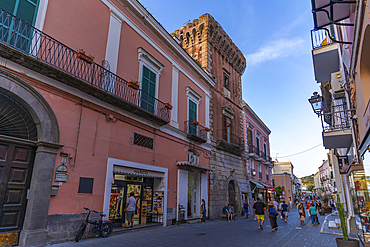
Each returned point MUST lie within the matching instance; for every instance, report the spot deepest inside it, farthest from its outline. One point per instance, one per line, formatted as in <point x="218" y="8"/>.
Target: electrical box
<point x="337" y="82"/>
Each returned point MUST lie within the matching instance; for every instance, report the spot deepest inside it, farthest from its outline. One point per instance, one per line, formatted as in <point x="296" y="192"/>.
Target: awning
<point x="136" y="172"/>
<point x="268" y="186"/>
<point x="260" y="186"/>
<point x="187" y="163"/>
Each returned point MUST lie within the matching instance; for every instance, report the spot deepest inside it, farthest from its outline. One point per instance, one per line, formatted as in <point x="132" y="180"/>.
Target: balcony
<point x="325" y="55"/>
<point x="195" y="132"/>
<point x="31" y="48"/>
<point x="336" y="125"/>
<point x="228" y="142"/>
<point x="253" y="152"/>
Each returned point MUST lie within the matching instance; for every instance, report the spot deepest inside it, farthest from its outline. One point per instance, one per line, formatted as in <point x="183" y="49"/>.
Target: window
<point x="226" y="80"/>
<point x="252" y="168"/>
<point x="264" y="151"/>
<point x="228" y="129"/>
<point x="86" y="185"/>
<point x="259" y="171"/>
<point x="267" y="173"/>
<point x="227" y="125"/>
<point x="192" y="116"/>
<point x="26" y="10"/>
<point x="143" y="141"/>
<point x="258" y="144"/>
<point x="250" y="143"/>
<point x="149" y="72"/>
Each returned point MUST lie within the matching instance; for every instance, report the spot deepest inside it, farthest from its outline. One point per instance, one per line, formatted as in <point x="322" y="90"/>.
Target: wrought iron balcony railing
<point x="339" y="118"/>
<point x="195" y="130"/>
<point x="320" y="38"/>
<point x="33" y="42"/>
<point x="254" y="150"/>
<point x="228" y="137"/>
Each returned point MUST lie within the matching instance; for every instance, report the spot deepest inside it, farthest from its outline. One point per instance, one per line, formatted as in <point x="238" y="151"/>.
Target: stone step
<point x="333" y="225"/>
<point x="192" y="220"/>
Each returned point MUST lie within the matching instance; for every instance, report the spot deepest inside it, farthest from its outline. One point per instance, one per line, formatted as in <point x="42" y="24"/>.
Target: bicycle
<point x="102" y="228"/>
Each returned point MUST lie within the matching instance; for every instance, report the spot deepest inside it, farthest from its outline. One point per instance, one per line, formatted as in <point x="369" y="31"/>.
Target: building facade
<point x="76" y="132"/>
<point x="257" y="153"/>
<point x="283" y="176"/>
<point x="208" y="44"/>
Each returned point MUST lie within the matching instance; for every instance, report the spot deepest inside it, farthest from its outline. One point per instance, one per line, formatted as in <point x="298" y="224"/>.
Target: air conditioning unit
<point x="337" y="82"/>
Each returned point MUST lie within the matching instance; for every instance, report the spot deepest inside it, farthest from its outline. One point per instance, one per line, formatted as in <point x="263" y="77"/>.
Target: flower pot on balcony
<point x="195" y="122"/>
<point x="134" y="84"/>
<point x="86" y="58"/>
<point x="207" y="129"/>
<point x="168" y="105"/>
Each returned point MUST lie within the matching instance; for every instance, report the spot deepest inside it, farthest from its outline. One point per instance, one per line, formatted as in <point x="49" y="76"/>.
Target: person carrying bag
<point x="272" y="215"/>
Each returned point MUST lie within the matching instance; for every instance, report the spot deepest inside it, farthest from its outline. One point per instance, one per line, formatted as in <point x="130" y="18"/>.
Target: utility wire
<point x="300" y="152"/>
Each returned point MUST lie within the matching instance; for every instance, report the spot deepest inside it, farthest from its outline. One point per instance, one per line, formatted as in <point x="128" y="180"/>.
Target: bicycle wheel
<point x="80" y="233"/>
<point x="106" y="230"/>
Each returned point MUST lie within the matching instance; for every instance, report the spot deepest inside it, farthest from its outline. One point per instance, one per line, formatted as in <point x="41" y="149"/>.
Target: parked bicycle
<point x="102" y="228"/>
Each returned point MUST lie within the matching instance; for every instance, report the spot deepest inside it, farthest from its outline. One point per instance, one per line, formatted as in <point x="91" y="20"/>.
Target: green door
<point x="14" y="32"/>
<point x="192" y="117"/>
<point x="148" y="90"/>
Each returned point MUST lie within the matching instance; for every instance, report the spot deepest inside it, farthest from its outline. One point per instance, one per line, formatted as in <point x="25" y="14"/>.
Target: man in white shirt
<point x="276" y="204"/>
<point x="130" y="210"/>
<point x="280" y="209"/>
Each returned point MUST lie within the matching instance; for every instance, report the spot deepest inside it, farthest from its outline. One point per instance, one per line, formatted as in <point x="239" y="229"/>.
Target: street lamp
<point x="254" y="173"/>
<point x="316" y="102"/>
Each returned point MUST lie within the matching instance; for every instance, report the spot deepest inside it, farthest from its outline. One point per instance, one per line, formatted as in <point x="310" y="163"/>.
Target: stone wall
<point x="227" y="167"/>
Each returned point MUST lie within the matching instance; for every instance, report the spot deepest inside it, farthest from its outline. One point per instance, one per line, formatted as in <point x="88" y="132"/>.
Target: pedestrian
<point x="284" y="211"/>
<point x="246" y="209"/>
<point x="276" y="204"/>
<point x="280" y="204"/>
<point x="130" y="210"/>
<point x="291" y="204"/>
<point x="259" y="209"/>
<point x="226" y="211"/>
<point x="272" y="215"/>
<point x="302" y="213"/>
<point x="231" y="210"/>
<point x="203" y="211"/>
<point x="313" y="213"/>
<point x="254" y="215"/>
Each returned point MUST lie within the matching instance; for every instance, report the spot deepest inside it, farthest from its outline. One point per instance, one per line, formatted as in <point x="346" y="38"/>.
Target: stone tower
<point x="207" y="43"/>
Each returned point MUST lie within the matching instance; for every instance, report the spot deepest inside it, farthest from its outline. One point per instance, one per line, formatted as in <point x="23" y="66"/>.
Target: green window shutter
<point x="148" y="88"/>
<point x="192" y="116"/>
<point x="26" y="10"/>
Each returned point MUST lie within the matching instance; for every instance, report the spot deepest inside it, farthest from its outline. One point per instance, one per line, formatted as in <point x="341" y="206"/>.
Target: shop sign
<point x="136" y="172"/>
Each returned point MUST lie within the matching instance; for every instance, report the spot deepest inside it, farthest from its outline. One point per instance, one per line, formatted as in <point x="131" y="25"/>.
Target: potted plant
<point x="207" y="129"/>
<point x="134" y="84"/>
<point x="195" y="122"/>
<point x="322" y="212"/>
<point x="345" y="241"/>
<point x="87" y="58"/>
<point x="168" y="105"/>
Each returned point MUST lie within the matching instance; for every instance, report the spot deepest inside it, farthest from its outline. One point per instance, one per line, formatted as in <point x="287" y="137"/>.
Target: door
<point x="16" y="162"/>
<point x="232" y="195"/>
<point x="148" y="90"/>
<point x="136" y="188"/>
<point x="192" y="116"/>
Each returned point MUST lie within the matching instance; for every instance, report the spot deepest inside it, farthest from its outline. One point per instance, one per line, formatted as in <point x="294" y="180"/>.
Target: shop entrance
<point x="146" y="202"/>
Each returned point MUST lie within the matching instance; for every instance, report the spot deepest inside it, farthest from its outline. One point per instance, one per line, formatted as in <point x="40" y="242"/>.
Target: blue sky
<point x="274" y="36"/>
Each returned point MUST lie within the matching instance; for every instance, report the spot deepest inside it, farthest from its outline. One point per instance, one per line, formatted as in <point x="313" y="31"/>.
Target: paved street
<point x="220" y="233"/>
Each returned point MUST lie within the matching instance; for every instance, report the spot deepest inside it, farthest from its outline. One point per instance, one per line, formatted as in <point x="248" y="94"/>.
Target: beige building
<point x="282" y="175"/>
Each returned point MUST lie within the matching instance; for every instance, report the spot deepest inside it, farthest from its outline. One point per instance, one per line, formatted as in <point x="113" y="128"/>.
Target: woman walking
<point x="203" y="211"/>
<point x="302" y="213"/>
<point x="246" y="209"/>
<point x="272" y="215"/>
<point x="313" y="213"/>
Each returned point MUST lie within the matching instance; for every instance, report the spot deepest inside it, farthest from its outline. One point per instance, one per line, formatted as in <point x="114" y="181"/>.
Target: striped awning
<point x="137" y="172"/>
<point x="187" y="163"/>
<point x="260" y="186"/>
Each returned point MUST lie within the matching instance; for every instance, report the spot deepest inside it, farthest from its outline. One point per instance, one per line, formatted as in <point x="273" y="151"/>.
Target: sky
<point x="275" y="38"/>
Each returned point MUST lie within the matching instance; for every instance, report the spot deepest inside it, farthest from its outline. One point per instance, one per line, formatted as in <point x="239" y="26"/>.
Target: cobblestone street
<point x="242" y="232"/>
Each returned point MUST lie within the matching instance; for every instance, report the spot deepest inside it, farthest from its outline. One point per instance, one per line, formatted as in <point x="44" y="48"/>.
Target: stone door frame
<point x="34" y="229"/>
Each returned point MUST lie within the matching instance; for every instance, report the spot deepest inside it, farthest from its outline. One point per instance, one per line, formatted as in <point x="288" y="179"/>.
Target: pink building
<point x="83" y="134"/>
<point x="258" y="160"/>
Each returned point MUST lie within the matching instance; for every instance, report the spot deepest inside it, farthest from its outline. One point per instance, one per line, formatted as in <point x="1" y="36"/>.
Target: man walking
<point x="130" y="210"/>
<point x="284" y="211"/>
<point x="259" y="209"/>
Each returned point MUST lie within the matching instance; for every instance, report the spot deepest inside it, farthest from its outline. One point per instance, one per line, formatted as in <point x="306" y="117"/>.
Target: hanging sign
<point x="61" y="173"/>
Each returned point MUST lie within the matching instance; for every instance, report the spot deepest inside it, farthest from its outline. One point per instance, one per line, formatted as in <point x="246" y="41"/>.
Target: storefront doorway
<point x="148" y="202"/>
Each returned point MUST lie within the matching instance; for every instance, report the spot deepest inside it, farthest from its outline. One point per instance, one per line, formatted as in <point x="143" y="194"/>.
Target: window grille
<point x="143" y="141"/>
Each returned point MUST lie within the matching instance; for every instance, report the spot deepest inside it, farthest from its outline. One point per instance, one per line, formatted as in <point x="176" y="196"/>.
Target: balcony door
<point x="26" y="10"/>
<point x="192" y="116"/>
<point x="148" y="90"/>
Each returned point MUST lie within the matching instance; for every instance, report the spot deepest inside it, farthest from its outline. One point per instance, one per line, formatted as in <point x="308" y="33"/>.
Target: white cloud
<point x="275" y="50"/>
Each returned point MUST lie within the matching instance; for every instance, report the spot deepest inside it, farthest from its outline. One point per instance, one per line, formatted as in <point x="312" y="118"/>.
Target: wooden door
<point x="16" y="162"/>
<point x="232" y="195"/>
